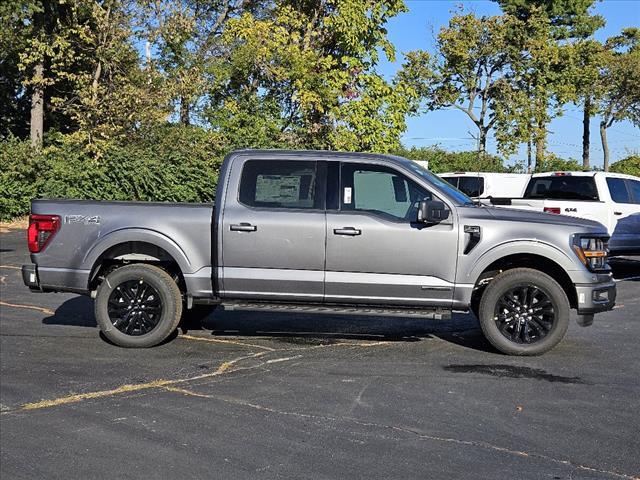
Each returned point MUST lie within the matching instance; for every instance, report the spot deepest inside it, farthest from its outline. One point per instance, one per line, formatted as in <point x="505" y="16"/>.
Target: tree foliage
<point x="618" y="86"/>
<point x="311" y="65"/>
<point x="469" y="72"/>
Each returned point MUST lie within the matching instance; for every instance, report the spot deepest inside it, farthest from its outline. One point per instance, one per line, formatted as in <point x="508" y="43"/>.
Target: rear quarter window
<point x="562" y="187"/>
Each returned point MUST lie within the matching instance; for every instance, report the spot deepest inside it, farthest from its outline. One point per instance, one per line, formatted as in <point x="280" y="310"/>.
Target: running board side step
<point x="337" y="309"/>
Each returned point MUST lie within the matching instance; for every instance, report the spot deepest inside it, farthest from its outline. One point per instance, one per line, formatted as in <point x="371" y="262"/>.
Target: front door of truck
<point x="274" y="229"/>
<point x="376" y="251"/>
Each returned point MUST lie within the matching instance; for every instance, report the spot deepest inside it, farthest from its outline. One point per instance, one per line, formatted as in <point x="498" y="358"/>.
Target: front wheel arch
<point x="531" y="261"/>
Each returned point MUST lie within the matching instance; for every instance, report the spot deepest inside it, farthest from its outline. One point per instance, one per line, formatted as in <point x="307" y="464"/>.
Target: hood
<point x="514" y="215"/>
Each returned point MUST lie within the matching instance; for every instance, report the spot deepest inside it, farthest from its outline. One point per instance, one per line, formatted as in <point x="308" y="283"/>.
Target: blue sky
<point x="452" y="129"/>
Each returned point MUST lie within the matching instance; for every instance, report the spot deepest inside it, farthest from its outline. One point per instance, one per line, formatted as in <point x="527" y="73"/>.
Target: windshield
<point x="451" y="191"/>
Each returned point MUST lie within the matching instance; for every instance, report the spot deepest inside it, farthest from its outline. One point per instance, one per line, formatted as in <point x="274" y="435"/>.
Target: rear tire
<point x="138" y="306"/>
<point x="524" y="312"/>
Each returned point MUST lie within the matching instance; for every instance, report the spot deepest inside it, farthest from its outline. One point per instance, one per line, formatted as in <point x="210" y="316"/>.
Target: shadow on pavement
<point x="462" y="330"/>
<point x="295" y="328"/>
<point x="75" y="312"/>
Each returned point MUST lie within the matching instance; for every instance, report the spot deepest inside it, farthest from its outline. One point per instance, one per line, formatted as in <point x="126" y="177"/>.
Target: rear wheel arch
<point x="131" y="252"/>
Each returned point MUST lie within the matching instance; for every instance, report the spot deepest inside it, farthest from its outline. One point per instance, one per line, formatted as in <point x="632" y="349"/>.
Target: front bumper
<point x="595" y="297"/>
<point x="30" y="277"/>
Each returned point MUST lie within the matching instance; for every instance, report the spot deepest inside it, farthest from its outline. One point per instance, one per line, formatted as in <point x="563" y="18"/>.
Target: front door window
<point x="380" y="191"/>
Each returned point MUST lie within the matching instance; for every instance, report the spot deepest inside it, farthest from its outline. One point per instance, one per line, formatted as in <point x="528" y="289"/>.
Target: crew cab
<point x="612" y="199"/>
<point x="323" y="232"/>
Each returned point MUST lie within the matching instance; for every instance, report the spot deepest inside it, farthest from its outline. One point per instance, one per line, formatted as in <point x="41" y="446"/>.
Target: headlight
<point x="592" y="252"/>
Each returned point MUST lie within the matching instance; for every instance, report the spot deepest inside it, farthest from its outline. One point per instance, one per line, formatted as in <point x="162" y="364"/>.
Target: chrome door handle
<point x="243" y="227"/>
<point x="347" y="231"/>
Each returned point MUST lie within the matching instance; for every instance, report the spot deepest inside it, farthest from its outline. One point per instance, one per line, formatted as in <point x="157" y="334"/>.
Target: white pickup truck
<point x="612" y="199"/>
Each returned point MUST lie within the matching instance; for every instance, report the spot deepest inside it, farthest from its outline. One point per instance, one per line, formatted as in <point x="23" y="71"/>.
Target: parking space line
<point x="220" y="340"/>
<point x="224" y="367"/>
<point x="13" y="267"/>
<point x="31" y="307"/>
<point x="99" y="394"/>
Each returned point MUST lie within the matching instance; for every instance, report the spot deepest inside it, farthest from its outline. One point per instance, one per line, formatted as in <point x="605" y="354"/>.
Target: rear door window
<point x="562" y="187"/>
<point x="618" y="190"/>
<point x="281" y="184"/>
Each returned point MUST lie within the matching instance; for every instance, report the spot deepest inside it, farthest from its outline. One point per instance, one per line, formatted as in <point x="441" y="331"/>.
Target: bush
<point x="553" y="163"/>
<point x="19" y="165"/>
<point x="170" y="163"/>
<point x="629" y="165"/>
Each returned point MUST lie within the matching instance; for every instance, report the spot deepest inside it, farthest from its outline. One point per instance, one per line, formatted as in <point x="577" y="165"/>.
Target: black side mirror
<point x="432" y="211"/>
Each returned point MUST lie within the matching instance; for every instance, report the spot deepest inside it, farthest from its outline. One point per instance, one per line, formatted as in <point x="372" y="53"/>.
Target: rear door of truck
<point x="274" y="230"/>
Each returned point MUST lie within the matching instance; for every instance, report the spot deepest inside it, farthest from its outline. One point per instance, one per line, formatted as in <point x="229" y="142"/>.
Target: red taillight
<point x="555" y="210"/>
<point x="41" y="230"/>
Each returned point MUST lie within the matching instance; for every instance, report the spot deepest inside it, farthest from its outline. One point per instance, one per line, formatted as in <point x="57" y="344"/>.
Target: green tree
<point x="568" y="20"/>
<point x="469" y="71"/>
<point x="184" y="37"/>
<point x="82" y="71"/>
<point x="14" y="38"/>
<point x="629" y="165"/>
<point x="587" y="59"/>
<point x="311" y="66"/>
<point x="538" y="84"/>
<point x="619" y="84"/>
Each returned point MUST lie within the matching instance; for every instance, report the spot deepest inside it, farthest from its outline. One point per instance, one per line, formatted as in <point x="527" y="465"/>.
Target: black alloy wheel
<point x="524" y="311"/>
<point x="138" y="305"/>
<point x="134" y="307"/>
<point x="524" y="314"/>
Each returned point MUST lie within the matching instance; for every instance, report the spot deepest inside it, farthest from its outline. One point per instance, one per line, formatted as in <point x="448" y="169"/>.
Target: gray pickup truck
<point x="324" y="232"/>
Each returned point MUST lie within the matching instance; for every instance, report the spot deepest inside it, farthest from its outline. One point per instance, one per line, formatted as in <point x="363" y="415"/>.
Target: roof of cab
<point x="277" y="154"/>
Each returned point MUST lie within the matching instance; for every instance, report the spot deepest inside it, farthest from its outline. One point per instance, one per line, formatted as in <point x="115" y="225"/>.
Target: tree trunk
<point x="539" y="152"/>
<point x="586" y="118"/>
<point x="482" y="142"/>
<point x="184" y="111"/>
<point x="529" y="156"/>
<point x="37" y="107"/>
<point x="605" y="145"/>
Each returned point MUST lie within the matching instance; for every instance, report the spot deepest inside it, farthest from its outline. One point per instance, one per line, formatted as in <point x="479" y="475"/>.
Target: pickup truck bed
<point x="125" y="231"/>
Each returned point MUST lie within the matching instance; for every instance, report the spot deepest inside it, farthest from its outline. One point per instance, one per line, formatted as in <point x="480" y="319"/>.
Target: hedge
<point x="171" y="164"/>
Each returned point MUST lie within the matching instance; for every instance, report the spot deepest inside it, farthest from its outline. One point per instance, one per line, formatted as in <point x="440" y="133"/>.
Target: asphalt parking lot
<point x="291" y="396"/>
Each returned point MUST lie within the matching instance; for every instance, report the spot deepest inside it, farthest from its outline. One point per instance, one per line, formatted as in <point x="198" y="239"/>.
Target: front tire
<point x="138" y="306"/>
<point x="524" y="312"/>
